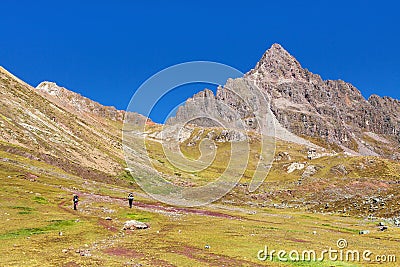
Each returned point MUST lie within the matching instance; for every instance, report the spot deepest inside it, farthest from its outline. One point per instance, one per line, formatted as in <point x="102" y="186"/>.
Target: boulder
<point x="364" y="232"/>
<point x="295" y="166"/>
<point x="133" y="224"/>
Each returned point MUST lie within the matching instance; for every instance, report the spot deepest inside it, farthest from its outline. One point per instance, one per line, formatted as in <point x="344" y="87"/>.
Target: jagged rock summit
<point x="277" y="65"/>
<point x="329" y="112"/>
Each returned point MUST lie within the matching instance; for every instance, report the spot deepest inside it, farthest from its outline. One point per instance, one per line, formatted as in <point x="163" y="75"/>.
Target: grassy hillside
<point x="40" y="226"/>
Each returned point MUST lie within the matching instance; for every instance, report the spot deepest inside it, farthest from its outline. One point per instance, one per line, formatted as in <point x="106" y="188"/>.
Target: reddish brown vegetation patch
<point x="124" y="252"/>
<point x="210" y="258"/>
<point x="108" y="225"/>
<point x="298" y="240"/>
<point x="31" y="177"/>
<point x="186" y="210"/>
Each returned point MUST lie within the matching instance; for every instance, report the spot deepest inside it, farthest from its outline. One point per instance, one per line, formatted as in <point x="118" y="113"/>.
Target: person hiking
<point x="130" y="199"/>
<point x="75" y="199"/>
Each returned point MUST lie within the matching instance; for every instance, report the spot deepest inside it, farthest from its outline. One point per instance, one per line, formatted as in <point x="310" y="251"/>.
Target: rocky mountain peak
<point x="49" y="87"/>
<point x="277" y="52"/>
<point x="329" y="111"/>
<point x="278" y="65"/>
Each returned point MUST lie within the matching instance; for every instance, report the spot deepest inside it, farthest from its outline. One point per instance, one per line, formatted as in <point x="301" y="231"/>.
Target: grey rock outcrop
<point x="239" y="104"/>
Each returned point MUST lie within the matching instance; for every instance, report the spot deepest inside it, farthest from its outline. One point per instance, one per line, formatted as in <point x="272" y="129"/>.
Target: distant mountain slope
<point x="63" y="129"/>
<point x="77" y="103"/>
<point x="328" y="111"/>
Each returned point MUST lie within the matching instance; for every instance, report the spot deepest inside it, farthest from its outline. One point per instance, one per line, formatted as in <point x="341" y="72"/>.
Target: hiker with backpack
<point x="75" y="200"/>
<point x="130" y="199"/>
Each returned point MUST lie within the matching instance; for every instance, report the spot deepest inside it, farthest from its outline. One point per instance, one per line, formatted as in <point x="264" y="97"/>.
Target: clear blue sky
<point x="106" y="49"/>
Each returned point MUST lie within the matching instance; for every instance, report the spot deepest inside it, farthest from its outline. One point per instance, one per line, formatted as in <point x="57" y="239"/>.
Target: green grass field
<point x="40" y="227"/>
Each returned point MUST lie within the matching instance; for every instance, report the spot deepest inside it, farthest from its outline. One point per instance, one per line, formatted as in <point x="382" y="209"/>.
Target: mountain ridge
<point x="306" y="107"/>
<point x="331" y="110"/>
<point x="80" y="103"/>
